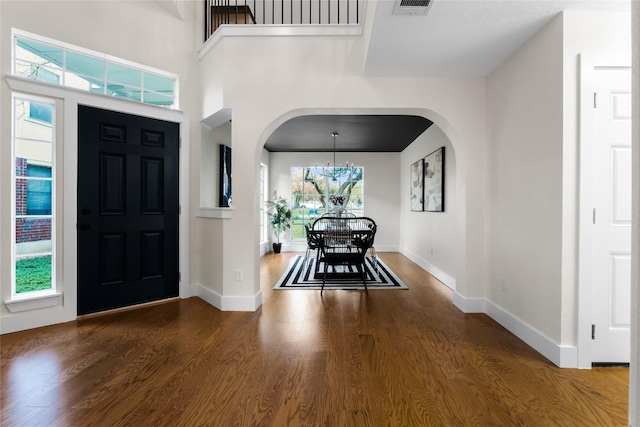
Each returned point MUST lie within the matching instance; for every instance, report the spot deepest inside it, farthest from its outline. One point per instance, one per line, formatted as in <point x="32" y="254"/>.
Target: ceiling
<point x="462" y="38"/>
<point x="456" y="38"/>
<point x="370" y="133"/>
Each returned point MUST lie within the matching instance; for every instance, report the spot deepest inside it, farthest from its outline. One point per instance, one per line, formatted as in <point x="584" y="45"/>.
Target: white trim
<point x="304" y="30"/>
<point x="17" y="302"/>
<point x="227" y="303"/>
<point x="220" y="213"/>
<point x="71" y="99"/>
<point x="588" y="65"/>
<point x="208" y="295"/>
<point x="217" y="118"/>
<point x="443" y="277"/>
<point x="33" y="319"/>
<point x="33" y="301"/>
<point x="184" y="220"/>
<point x="264" y="248"/>
<point x="468" y="305"/>
<point x="563" y="356"/>
<point x="99" y="55"/>
<point x="66" y="46"/>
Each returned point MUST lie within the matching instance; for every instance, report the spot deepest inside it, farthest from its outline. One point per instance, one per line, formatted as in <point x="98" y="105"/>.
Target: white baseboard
<point x="264" y="248"/>
<point x="33" y="319"/>
<point x="228" y="303"/>
<point x="445" y="278"/>
<point x="468" y="305"/>
<point x="563" y="356"/>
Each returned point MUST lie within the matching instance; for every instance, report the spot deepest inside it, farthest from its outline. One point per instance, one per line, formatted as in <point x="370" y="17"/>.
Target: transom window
<point x="58" y="63"/>
<point x="312" y="191"/>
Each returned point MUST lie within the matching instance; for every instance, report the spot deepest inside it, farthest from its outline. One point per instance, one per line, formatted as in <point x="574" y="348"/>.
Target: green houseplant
<point x="279" y="219"/>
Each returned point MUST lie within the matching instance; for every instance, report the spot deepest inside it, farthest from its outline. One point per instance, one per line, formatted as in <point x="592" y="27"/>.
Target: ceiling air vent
<point x="412" y="7"/>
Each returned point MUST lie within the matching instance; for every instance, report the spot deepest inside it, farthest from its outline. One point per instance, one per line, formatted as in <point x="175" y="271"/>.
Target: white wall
<point x="260" y="106"/>
<point x="524" y="112"/>
<point x="430" y="238"/>
<point x="381" y="196"/>
<point x="121" y="29"/>
<point x="532" y="110"/>
<point x="585" y="33"/>
<point x="309" y="75"/>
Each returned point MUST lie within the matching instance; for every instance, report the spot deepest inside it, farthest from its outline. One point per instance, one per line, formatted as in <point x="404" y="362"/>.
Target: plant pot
<point x="277" y="247"/>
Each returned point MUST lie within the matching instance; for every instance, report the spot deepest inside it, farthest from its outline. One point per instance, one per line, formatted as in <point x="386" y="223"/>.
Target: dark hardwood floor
<point x="389" y="358"/>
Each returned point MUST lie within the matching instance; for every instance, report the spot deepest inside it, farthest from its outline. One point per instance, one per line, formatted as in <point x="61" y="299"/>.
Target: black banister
<point x="234" y="12"/>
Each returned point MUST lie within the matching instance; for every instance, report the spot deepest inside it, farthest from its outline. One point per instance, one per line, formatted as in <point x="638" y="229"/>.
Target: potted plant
<point x="279" y="219"/>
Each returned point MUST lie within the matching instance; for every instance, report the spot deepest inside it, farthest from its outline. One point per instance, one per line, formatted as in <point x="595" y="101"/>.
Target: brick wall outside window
<point x="28" y="229"/>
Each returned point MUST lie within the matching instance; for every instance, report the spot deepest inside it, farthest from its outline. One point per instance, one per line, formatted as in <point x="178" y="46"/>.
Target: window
<point x="53" y="62"/>
<point x="313" y="187"/>
<point x="38" y="182"/>
<point x="263" y="211"/>
<point x="42" y="112"/>
<point x="33" y="142"/>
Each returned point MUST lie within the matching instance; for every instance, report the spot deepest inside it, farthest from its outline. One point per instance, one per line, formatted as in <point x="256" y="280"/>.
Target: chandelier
<point x="336" y="171"/>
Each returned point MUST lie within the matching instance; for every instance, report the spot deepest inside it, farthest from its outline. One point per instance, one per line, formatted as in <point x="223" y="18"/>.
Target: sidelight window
<point x="34" y="194"/>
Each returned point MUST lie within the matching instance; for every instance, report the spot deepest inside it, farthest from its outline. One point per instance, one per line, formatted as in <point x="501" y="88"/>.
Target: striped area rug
<point x="301" y="275"/>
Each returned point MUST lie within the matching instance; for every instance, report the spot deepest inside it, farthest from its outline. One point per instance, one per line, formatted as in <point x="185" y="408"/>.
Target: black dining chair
<point x="347" y="246"/>
<point x="313" y="244"/>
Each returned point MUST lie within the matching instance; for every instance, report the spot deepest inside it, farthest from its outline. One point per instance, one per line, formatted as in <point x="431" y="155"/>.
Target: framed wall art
<point x="434" y="181"/>
<point x="225" y="176"/>
<point x="417" y="188"/>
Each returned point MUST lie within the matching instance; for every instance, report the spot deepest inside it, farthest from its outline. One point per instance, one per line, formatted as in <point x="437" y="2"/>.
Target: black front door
<point x="127" y="209"/>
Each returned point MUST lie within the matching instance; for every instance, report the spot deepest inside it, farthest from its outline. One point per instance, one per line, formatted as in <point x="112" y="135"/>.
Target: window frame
<point x="108" y="61"/>
<point x="262" y="209"/>
<point x="15" y="98"/>
<point x="296" y="231"/>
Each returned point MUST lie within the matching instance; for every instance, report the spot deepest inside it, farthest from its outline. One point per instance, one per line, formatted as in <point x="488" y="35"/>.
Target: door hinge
<point x="179" y="276"/>
<point x="593" y="332"/>
<point x="595" y="99"/>
<point x="179" y="209"/>
<point x="594" y="215"/>
<point x="180" y="142"/>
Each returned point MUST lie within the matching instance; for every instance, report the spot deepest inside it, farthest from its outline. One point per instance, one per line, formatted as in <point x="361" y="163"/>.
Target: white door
<point x="612" y="217"/>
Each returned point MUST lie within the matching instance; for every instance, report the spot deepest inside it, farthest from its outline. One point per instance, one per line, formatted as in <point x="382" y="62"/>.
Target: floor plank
<point x="389" y="357"/>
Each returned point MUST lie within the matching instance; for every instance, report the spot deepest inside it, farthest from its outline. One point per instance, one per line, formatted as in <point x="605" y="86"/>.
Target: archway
<point x="445" y="259"/>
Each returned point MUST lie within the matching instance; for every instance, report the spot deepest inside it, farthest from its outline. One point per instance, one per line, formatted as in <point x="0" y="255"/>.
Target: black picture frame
<point x="225" y="177"/>
<point x="434" y="181"/>
<point x="416" y="179"/>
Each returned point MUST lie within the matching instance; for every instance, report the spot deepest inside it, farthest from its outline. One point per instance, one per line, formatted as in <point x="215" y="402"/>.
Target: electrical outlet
<point x="239" y="275"/>
<point x="503" y="284"/>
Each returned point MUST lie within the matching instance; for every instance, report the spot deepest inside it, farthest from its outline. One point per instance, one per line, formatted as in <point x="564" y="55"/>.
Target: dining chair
<point x="346" y="246"/>
<point x="313" y="244"/>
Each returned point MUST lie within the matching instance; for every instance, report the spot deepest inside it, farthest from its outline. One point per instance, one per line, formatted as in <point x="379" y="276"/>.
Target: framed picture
<point x="417" y="188"/>
<point x="225" y="176"/>
<point x="434" y="181"/>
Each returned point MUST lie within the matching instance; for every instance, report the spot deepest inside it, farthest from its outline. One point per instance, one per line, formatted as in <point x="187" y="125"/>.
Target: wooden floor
<point x="389" y="358"/>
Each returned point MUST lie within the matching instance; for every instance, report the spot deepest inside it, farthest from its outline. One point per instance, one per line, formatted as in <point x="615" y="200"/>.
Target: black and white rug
<point x="299" y="276"/>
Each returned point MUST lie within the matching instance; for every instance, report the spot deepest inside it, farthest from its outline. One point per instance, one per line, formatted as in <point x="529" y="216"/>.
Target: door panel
<point x="127" y="210"/>
<point x="612" y="228"/>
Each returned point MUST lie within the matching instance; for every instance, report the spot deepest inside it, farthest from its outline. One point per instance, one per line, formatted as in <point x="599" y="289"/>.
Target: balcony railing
<point x="280" y="12"/>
